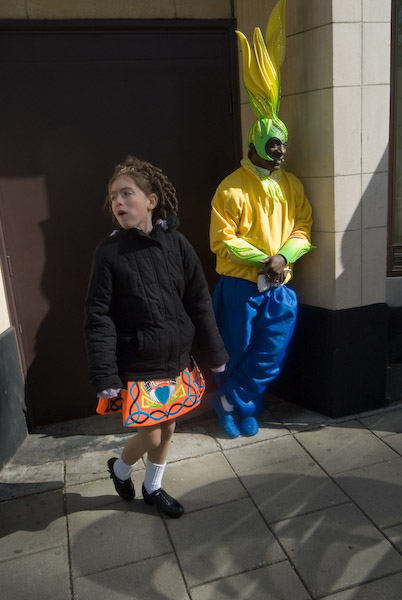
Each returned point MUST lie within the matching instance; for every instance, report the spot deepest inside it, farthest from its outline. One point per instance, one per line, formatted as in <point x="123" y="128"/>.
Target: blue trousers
<point x="256" y="328"/>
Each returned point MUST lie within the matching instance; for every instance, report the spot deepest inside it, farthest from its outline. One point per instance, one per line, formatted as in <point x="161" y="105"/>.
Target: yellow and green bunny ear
<point x="275" y="35"/>
<point x="262" y="78"/>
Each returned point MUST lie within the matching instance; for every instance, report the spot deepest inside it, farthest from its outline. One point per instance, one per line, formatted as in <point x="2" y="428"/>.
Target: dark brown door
<point x="74" y="100"/>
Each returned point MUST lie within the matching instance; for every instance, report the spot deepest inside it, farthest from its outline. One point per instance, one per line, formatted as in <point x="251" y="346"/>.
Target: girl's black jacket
<point x="147" y="299"/>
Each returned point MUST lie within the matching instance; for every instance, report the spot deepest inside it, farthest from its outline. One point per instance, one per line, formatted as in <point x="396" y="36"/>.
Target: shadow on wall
<point x="80" y="113"/>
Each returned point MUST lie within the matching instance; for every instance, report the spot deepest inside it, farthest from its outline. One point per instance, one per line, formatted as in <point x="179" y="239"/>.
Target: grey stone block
<point x="282" y="490"/>
<point x="377" y="490"/>
<point x="336" y="548"/>
<point x="384" y="423"/>
<point x="265" y="453"/>
<point x="395" y="442"/>
<point x="90" y="496"/>
<point x="221" y="541"/>
<point x="41" y="448"/>
<point x="275" y="582"/>
<point x="202" y="482"/>
<point x="154" y="579"/>
<point x="90" y="467"/>
<point x="40" y="576"/>
<point x="344" y="447"/>
<point x="25" y="480"/>
<point x="32" y="524"/>
<point x="188" y="443"/>
<point x="114" y="535"/>
<point x="395" y="535"/>
<point x="387" y="588"/>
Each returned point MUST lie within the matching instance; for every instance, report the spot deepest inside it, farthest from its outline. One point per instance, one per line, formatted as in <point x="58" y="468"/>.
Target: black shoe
<point x="124" y="487"/>
<point x="164" y="502"/>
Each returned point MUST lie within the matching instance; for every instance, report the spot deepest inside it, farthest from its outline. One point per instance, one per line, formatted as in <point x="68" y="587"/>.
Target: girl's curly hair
<point x="151" y="180"/>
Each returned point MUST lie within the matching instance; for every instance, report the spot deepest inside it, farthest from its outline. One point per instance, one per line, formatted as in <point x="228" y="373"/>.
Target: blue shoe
<point x="226" y="418"/>
<point x="229" y="426"/>
<point x="248" y="426"/>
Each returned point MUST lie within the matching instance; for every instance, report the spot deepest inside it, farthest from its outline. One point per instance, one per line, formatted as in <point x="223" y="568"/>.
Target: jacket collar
<point x="269" y="181"/>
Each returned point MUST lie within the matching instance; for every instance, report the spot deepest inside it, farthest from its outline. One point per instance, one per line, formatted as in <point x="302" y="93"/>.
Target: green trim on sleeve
<point x="294" y="249"/>
<point x="243" y="253"/>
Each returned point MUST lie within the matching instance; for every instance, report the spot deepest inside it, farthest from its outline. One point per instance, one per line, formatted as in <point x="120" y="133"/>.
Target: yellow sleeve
<point x="225" y="216"/>
<point x="299" y="241"/>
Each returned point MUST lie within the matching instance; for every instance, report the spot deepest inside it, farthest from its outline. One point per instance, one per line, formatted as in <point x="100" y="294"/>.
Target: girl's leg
<point x="147" y="438"/>
<point x="155" y="441"/>
<point x="152" y="490"/>
<point x="160" y="453"/>
<point x="156" y="459"/>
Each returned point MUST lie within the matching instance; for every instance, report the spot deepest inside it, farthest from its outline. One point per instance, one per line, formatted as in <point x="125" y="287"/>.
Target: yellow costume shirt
<point x="254" y="216"/>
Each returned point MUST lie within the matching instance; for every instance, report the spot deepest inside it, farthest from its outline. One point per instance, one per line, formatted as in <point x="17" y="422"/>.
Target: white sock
<point x="153" y="477"/>
<point x="227" y="407"/>
<point x="121" y="469"/>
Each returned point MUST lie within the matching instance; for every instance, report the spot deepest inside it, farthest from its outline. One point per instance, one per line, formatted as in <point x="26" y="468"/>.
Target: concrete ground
<point x="310" y="508"/>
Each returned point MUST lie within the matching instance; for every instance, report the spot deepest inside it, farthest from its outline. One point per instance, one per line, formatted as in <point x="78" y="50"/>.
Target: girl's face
<point x="130" y="206"/>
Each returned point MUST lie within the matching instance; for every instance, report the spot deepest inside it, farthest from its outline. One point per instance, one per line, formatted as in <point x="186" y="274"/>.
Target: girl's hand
<point x="109" y="393"/>
<point x="219" y="369"/>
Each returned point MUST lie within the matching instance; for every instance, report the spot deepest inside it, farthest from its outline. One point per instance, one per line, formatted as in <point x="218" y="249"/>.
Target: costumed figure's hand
<point x="274" y="269"/>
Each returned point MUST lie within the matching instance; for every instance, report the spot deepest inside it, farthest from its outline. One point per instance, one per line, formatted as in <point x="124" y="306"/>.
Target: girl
<point x="147" y="299"/>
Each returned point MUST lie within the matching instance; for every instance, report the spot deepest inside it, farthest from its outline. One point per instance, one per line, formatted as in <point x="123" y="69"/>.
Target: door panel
<point x="75" y="100"/>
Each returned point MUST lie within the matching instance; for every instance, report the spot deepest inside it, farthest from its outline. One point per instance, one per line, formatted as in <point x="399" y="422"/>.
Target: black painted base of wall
<point x="13" y="427"/>
<point x="337" y="361"/>
<point x="395" y="335"/>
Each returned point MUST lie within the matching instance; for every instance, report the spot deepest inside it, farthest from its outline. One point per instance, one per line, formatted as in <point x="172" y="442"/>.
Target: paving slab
<point x="264" y="453"/>
<point x="377" y="490"/>
<point x="384" y="423"/>
<point x="40" y="576"/>
<point x="95" y="425"/>
<point x="202" y="482"/>
<point x="188" y="443"/>
<point x="275" y="582"/>
<point x="115" y="535"/>
<point x="387" y="588"/>
<point x="345" y="446"/>
<point x="154" y="579"/>
<point x="24" y="480"/>
<point x="295" y="418"/>
<point x="90" y="496"/>
<point x="40" y="448"/>
<point x="394" y="441"/>
<point x="221" y="541"/>
<point x="282" y="490"/>
<point x="91" y="466"/>
<point x="336" y="548"/>
<point x="32" y="524"/>
<point x="395" y="535"/>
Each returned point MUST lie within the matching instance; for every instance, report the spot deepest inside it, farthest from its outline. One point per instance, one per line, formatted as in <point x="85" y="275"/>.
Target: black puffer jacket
<point x="146" y="300"/>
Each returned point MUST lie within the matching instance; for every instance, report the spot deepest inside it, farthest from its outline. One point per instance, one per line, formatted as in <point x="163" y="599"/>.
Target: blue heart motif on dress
<point x="162" y="394"/>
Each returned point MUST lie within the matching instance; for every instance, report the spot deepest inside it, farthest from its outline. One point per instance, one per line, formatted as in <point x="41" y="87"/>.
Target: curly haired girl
<point x="147" y="300"/>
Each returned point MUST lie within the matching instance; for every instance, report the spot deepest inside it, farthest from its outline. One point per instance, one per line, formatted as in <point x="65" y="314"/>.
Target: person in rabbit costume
<point x="260" y="225"/>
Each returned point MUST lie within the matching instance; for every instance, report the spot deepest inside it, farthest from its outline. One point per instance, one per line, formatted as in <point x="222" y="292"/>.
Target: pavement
<point x="310" y="508"/>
